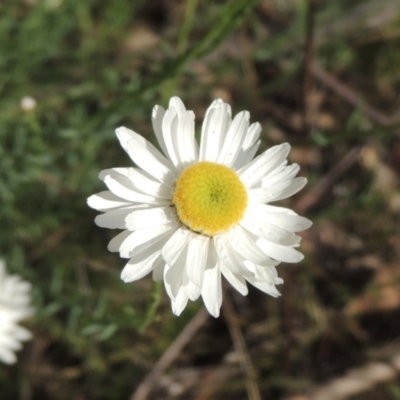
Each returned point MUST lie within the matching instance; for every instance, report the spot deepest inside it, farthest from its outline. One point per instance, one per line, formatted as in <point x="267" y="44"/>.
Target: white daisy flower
<point x="199" y="211"/>
<point x="15" y="305"/>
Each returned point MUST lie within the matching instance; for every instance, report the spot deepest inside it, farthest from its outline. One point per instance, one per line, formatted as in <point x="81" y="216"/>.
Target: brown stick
<point x="239" y="343"/>
<point x="170" y="355"/>
<point x="308" y="62"/>
<point x="349" y="95"/>
<point x="357" y="380"/>
<point x="315" y="194"/>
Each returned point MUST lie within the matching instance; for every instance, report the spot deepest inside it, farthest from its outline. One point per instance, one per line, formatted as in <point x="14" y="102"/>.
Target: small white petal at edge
<point x="281" y="253"/>
<point x="212" y="290"/>
<point x="134" y="271"/>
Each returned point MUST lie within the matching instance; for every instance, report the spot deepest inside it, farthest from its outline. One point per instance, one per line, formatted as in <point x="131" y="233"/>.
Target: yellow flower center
<point x="209" y="198"/>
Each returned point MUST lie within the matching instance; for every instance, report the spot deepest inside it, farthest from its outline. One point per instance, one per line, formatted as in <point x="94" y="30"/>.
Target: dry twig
<point x="314" y="195"/>
<point x="308" y="62"/>
<point x="357" y="380"/>
<point x="239" y="343"/>
<point x="349" y="95"/>
<point x="170" y="355"/>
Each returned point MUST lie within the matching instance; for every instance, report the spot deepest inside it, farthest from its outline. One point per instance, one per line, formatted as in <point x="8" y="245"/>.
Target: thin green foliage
<point x="230" y="16"/>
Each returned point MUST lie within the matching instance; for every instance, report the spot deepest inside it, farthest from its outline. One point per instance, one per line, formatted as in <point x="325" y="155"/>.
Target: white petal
<point x="234" y="139"/>
<point x="147" y="157"/>
<point x="124" y="135"/>
<point x="134" y="271"/>
<point x="173" y="276"/>
<point x="268" y="194"/>
<point x="282" y="173"/>
<point x="169" y="128"/>
<point x="156" y="119"/>
<point x="296" y="185"/>
<point x="143" y="219"/>
<point x="244" y="245"/>
<point x="186" y="142"/>
<point x="236" y="280"/>
<point x="143" y="183"/>
<point x="253" y="134"/>
<point x="282" y="217"/>
<point x="265" y="287"/>
<point x="10" y="341"/>
<point x="175" y="254"/>
<point x="22" y="334"/>
<point x="115" y="219"/>
<point x="197" y="258"/>
<point x="106" y="200"/>
<point x="213" y="132"/>
<point x="145" y="237"/>
<point x="257" y="223"/>
<point x="2" y="269"/>
<point x="192" y="291"/>
<point x="245" y="157"/>
<point x="268" y="275"/>
<point x="264" y="164"/>
<point x="115" y="242"/>
<point x="251" y="152"/>
<point x="281" y="253"/>
<point x="144" y="250"/>
<point x="114" y="172"/>
<point x="265" y="279"/>
<point x="180" y="302"/>
<point x="177" y="103"/>
<point x="268" y="262"/>
<point x="175" y="245"/>
<point x="166" y="283"/>
<point x="227" y="255"/>
<point x="212" y="290"/>
<point x="123" y="188"/>
<point x="7" y="356"/>
<point x="249" y="147"/>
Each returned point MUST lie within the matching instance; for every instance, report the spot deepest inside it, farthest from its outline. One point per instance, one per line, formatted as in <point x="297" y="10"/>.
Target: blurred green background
<point x="322" y="75"/>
